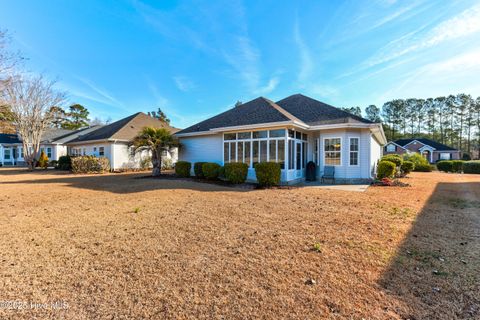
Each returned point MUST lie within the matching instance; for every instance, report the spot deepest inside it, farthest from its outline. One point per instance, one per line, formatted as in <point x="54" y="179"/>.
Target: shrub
<point x="43" y="160"/>
<point x="146" y="163"/>
<point x="471" y="167"/>
<point x="268" y="173"/>
<point x="221" y="173"/>
<point x="197" y="168"/>
<point x="211" y="170"/>
<point x="417" y="159"/>
<point x="64" y="163"/>
<point x="457" y="165"/>
<point x="423" y="167"/>
<point x="182" y="169"/>
<point x="407" y="167"/>
<point x="53" y="163"/>
<point x="395" y="158"/>
<point x="386" y="169"/>
<point x="445" y="165"/>
<point x="167" y="164"/>
<point x="236" y="172"/>
<point x="90" y="164"/>
<point x="466" y="157"/>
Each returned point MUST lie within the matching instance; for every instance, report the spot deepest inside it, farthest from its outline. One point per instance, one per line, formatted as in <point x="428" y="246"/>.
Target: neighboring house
<point x="292" y="132"/>
<point x="429" y="149"/>
<point x="11" y="147"/>
<point x="110" y="141"/>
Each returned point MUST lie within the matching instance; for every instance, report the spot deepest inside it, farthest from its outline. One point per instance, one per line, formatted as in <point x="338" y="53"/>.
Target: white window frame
<point x="350" y="151"/>
<point x="102" y="150"/>
<point x="391" y="145"/>
<point x="325" y="152"/>
<point x="47" y="152"/>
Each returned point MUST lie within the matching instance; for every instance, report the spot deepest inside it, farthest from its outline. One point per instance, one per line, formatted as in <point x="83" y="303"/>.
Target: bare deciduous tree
<point x="30" y="100"/>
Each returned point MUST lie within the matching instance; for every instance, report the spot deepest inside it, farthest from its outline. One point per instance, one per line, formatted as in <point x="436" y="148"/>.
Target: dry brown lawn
<point x="115" y="246"/>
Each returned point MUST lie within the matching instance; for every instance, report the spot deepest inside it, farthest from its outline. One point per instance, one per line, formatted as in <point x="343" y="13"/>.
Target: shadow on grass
<point x="117" y="183"/>
<point x="436" y="271"/>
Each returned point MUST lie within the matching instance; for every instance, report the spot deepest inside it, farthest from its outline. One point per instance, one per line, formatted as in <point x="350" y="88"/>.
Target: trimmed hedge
<point x="407" y="167"/>
<point x="471" y="167"/>
<point x="182" y="169"/>
<point x="423" y="167"/>
<point x="395" y="158"/>
<point x="268" y="173"/>
<point x="457" y="166"/>
<point x="90" y="164"/>
<point x="211" y="170"/>
<point x="445" y="165"/>
<point x="236" y="172"/>
<point x="197" y="168"/>
<point x="386" y="169"/>
<point x="64" y="163"/>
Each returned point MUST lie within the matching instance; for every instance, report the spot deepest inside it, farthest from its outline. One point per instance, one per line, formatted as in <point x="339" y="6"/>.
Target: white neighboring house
<point x="292" y="132"/>
<point x="11" y="148"/>
<point x="110" y="141"/>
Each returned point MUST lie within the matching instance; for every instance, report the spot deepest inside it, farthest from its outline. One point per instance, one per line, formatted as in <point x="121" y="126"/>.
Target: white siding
<point x="345" y="171"/>
<point x="376" y="151"/>
<point x="123" y="159"/>
<point x="202" y="149"/>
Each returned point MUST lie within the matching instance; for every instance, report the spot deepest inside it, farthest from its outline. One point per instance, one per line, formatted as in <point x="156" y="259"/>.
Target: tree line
<point x="453" y="120"/>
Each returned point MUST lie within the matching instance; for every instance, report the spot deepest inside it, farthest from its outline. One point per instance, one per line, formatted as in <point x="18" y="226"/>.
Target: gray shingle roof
<point x="261" y="110"/>
<point x="437" y="145"/>
<point x="124" y="129"/>
<point x="8" y="138"/>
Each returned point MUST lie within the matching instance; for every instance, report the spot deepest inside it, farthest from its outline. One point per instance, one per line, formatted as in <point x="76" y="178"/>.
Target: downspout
<point x="112" y="156"/>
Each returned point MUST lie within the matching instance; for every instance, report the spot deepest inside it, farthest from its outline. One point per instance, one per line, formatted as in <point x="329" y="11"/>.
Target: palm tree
<point x="155" y="140"/>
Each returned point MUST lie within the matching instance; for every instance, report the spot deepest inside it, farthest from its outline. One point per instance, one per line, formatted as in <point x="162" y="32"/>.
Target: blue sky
<point x="195" y="59"/>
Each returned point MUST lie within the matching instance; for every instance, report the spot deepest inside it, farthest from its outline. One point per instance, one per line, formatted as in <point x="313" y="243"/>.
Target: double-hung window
<point x="354" y="147"/>
<point x="391" y="147"/>
<point x="101" y="151"/>
<point x="332" y="151"/>
<point x="49" y="152"/>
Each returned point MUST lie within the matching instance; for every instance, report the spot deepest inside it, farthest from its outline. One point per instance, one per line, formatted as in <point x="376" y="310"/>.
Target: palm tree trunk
<point x="156" y="163"/>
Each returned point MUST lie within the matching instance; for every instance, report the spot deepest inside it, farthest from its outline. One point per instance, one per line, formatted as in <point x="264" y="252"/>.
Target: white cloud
<point x="271" y="85"/>
<point x="306" y="61"/>
<point x="184" y="83"/>
<point x="462" y="25"/>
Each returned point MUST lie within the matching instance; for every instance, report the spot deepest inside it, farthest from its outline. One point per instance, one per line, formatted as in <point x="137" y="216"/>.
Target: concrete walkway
<point x="343" y="187"/>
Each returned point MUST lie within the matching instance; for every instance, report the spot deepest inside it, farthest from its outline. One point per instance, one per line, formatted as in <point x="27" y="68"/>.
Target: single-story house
<point x="11" y="147"/>
<point x="432" y="151"/>
<point x="110" y="141"/>
<point x="292" y="132"/>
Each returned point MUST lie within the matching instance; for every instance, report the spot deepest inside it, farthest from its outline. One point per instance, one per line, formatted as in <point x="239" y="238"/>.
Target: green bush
<point x="457" y="166"/>
<point x="423" y="167"/>
<point x="407" y="167"/>
<point x="211" y="170"/>
<point x="197" y="168"/>
<point x="236" y="172"/>
<point x="64" y="163"/>
<point x="395" y="158"/>
<point x="386" y="169"/>
<point x="418" y="160"/>
<point x="471" y="167"/>
<point x="268" y="173"/>
<point x="53" y="163"/>
<point x="182" y="169"/>
<point x="90" y="164"/>
<point x="445" y="165"/>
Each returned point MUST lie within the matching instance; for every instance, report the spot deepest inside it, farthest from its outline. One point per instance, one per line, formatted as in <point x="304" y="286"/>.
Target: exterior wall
<point x="375" y="155"/>
<point x="56" y="152"/>
<point x="454" y="155"/>
<point x="202" y="149"/>
<point x="414" y="146"/>
<point x="121" y="158"/>
<point x="398" y="150"/>
<point x="345" y="171"/>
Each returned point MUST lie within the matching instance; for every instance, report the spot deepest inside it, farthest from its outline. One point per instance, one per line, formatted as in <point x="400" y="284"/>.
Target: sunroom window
<point x="332" y="148"/>
<point x="354" y="151"/>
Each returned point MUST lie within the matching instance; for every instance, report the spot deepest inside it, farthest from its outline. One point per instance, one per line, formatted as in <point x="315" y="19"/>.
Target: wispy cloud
<point x="269" y="87"/>
<point x="184" y="83"/>
<point x="100" y="91"/>
<point x="462" y="25"/>
<point x="306" y="61"/>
